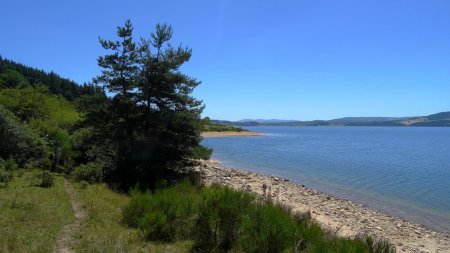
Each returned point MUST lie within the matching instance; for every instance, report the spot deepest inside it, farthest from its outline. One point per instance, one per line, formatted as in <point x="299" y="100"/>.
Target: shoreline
<point x="230" y="134"/>
<point x="342" y="216"/>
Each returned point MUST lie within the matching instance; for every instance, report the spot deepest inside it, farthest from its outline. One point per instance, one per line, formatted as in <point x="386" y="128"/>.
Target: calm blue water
<point x="399" y="170"/>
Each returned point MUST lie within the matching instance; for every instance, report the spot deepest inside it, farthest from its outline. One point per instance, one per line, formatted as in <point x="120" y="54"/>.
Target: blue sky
<point x="303" y="59"/>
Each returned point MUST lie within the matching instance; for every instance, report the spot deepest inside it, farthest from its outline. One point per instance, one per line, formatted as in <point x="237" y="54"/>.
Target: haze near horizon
<point x="301" y="60"/>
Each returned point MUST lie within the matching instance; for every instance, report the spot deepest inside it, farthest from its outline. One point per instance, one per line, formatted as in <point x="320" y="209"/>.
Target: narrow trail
<point x="64" y="239"/>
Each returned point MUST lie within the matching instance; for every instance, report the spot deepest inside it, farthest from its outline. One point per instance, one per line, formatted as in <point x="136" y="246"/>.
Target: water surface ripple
<point x="404" y="171"/>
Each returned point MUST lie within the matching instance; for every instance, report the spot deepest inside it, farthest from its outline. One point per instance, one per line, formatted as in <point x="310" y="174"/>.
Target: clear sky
<point x="299" y="59"/>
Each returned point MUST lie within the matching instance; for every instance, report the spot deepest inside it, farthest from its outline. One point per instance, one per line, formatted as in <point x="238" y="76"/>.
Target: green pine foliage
<point x="12" y="79"/>
<point x="151" y="118"/>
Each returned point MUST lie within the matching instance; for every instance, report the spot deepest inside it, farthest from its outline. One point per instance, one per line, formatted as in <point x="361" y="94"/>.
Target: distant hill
<point x="439" y="116"/>
<point x="13" y="74"/>
<point x="269" y="121"/>
<point x="362" y="119"/>
<point x="441" y="119"/>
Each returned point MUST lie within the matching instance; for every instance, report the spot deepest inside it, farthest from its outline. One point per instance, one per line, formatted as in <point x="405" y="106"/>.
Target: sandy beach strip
<point x="342" y="216"/>
<point x="230" y="134"/>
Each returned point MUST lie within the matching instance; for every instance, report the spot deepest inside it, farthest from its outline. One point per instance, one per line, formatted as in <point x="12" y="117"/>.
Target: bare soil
<point x="63" y="243"/>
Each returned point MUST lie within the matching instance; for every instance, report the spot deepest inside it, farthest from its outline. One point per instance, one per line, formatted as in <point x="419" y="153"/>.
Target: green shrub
<point x="220" y="219"/>
<point x="10" y="165"/>
<point x="83" y="184"/>
<point x="307" y="232"/>
<point x="166" y="215"/>
<point x="20" y="172"/>
<point x="218" y="222"/>
<point x="201" y="152"/>
<point x="90" y="172"/>
<point x="42" y="179"/>
<point x="5" y="177"/>
<point x="267" y="228"/>
<point x="18" y="140"/>
<point x="139" y="205"/>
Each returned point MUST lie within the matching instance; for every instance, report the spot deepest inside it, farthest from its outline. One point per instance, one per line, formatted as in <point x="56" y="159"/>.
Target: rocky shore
<point x="338" y="215"/>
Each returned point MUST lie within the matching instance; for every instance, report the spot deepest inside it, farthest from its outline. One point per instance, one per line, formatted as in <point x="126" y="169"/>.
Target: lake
<point x="403" y="171"/>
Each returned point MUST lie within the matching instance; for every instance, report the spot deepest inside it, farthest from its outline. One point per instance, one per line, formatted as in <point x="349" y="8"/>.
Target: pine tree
<point x="152" y="117"/>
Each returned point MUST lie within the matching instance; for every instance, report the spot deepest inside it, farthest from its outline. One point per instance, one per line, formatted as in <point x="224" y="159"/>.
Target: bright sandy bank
<point x="339" y="215"/>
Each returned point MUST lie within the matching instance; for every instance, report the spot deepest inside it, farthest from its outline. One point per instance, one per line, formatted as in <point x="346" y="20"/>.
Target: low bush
<point x="5" y="177"/>
<point x="201" y="152"/>
<point x="267" y="228"/>
<point x="220" y="219"/>
<point x="166" y="215"/>
<point x="90" y="172"/>
<point x="42" y="179"/>
<point x="218" y="223"/>
<point x="10" y="165"/>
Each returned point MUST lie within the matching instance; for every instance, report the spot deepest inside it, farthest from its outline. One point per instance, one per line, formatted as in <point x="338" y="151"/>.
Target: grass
<point x="103" y="230"/>
<point x="181" y="219"/>
<point x="31" y="217"/>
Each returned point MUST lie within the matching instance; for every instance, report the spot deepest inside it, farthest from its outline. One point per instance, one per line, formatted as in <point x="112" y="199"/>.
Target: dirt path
<point x="64" y="239"/>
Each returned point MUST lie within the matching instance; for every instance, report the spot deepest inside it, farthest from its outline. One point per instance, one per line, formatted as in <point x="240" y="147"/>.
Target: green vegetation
<point x="208" y="126"/>
<point x="16" y="75"/>
<point x="147" y="130"/>
<point x="219" y="219"/>
<point x="42" y="179"/>
<point x="5" y="177"/>
<point x="103" y="231"/>
<point x="90" y="172"/>
<point x="157" y="216"/>
<point x="31" y="217"/>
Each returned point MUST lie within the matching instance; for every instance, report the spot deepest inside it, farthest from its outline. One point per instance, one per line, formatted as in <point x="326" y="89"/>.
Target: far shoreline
<point x="217" y="134"/>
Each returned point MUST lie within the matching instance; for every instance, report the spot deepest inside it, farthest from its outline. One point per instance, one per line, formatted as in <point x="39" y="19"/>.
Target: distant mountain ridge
<point x="363" y="119"/>
<point x="268" y="120"/>
<point x="441" y="119"/>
